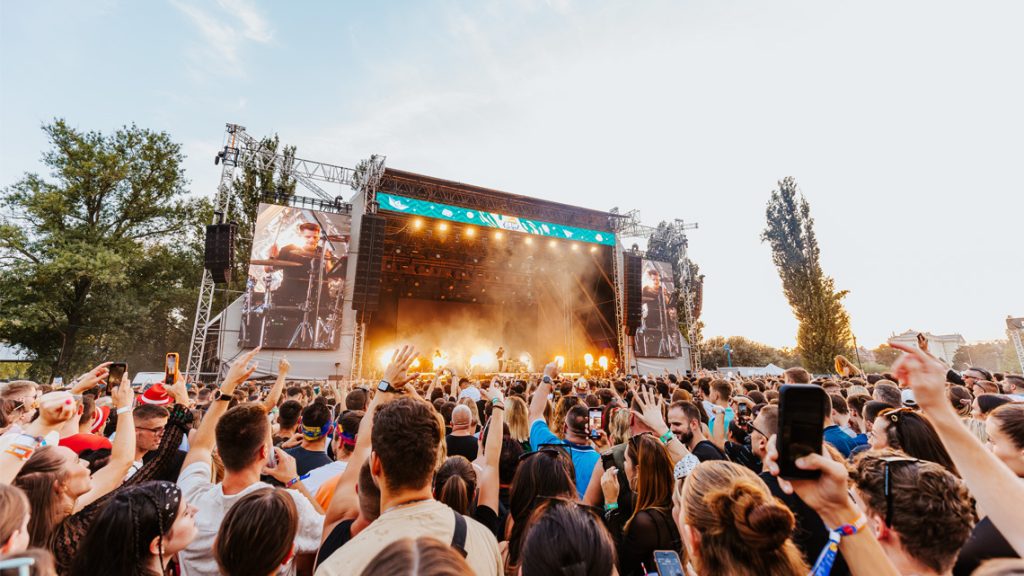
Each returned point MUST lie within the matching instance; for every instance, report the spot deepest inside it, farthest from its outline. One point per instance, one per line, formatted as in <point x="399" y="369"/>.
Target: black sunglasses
<point x="887" y="486"/>
<point x="549" y="449"/>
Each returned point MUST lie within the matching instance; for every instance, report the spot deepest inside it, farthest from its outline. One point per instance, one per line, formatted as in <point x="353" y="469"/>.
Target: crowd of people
<point x="920" y="473"/>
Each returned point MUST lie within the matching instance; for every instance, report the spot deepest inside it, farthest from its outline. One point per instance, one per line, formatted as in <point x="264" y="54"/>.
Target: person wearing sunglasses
<point x="921" y="513"/>
<point x="906" y="430"/>
<point x="576" y="436"/>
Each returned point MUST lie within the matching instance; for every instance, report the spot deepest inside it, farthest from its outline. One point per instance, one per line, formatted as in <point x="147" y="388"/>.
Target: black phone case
<point x="786" y="467"/>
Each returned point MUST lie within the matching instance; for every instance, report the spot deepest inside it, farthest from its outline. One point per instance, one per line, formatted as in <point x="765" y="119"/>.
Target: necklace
<point x="404" y="504"/>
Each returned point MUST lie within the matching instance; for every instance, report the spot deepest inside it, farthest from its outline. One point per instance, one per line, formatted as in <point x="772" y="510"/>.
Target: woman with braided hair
<point x="137" y="533"/>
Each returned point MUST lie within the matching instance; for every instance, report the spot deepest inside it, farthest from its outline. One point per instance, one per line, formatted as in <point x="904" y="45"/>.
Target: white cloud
<point x="224" y="34"/>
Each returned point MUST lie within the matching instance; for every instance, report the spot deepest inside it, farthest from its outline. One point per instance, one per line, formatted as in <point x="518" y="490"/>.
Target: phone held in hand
<point x="595" y="422"/>
<point x="171" y="368"/>
<point x="668" y="563"/>
<point x="116" y="375"/>
<point x="607" y="460"/>
<point x="272" y="454"/>
<point x="801" y="425"/>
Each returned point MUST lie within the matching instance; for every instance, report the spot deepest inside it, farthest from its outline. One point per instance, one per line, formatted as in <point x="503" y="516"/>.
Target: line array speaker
<point x="632" y="269"/>
<point x="366" y="290"/>
<point x="220" y="251"/>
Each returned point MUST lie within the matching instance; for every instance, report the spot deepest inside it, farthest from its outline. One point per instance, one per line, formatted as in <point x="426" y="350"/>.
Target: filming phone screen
<point x="668" y="563"/>
<point x="171" y="368"/>
<point x="595" y="422"/>
<point x="801" y="424"/>
<point x="117" y="370"/>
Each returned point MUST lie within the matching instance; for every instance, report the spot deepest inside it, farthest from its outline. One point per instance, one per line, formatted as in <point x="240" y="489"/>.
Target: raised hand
<point x="925" y="375"/>
<point x="90" y="379"/>
<point x="123" y="395"/>
<point x="239" y="371"/>
<point x="610" y="484"/>
<point x="551" y="370"/>
<point x="55" y="408"/>
<point x="395" y="373"/>
<point x="179" y="391"/>
<point x="650" y="413"/>
<point x="283" y="365"/>
<point x="828" y="494"/>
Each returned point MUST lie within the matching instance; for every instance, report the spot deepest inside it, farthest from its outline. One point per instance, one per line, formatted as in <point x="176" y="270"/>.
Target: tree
<point x="96" y="263"/>
<point x="745" y="352"/>
<point x="824" y="324"/>
<point x="996" y="356"/>
<point x="885" y="354"/>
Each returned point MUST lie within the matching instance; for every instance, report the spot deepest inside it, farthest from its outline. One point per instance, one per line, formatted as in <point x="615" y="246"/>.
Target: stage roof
<point x="443" y="191"/>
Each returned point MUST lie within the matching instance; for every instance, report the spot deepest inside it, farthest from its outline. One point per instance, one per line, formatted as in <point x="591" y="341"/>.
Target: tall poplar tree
<point x="824" y="329"/>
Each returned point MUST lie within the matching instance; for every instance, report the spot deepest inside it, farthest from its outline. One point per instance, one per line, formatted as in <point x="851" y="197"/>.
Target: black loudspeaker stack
<point x="633" y="270"/>
<point x="220" y="251"/>
<point x="366" y="290"/>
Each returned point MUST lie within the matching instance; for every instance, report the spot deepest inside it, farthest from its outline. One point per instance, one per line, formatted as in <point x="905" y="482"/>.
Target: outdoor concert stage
<point x="457" y="270"/>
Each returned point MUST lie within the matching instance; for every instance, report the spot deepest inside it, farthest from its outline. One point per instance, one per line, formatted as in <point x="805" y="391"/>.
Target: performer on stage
<point x="500" y="354"/>
<point x="295" y="282"/>
<point x="659" y="336"/>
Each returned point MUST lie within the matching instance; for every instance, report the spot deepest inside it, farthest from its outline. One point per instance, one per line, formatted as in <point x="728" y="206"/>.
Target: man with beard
<point x="684" y="421"/>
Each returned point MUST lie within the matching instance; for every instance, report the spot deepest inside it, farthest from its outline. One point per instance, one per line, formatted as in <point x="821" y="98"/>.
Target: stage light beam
<point x="417" y="223"/>
<point x="443" y="226"/>
<point x="560" y="362"/>
<point x="588" y="359"/>
<point x="470" y="232"/>
<point x="603" y="362"/>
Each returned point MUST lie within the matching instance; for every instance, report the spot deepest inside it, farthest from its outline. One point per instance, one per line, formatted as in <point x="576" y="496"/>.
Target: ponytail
<point x="455" y="484"/>
<point x="454" y="493"/>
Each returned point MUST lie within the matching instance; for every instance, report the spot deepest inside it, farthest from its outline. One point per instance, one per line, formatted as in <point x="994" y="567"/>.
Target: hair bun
<point x="761" y="521"/>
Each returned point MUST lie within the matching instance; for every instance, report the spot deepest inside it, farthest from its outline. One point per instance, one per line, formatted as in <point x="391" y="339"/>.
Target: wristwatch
<point x="546" y="379"/>
<point x="218" y="395"/>
<point x="385" y="386"/>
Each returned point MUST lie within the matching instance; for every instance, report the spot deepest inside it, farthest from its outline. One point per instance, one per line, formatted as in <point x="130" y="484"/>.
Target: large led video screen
<point x="658" y="335"/>
<point x="296" y="282"/>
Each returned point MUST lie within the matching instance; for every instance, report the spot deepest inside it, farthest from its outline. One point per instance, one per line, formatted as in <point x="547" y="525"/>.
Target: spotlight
<point x="603" y="362"/>
<point x="470" y="232"/>
<point x="498" y="235"/>
<point x="528" y="240"/>
<point x="588" y="359"/>
<point x="552" y="243"/>
<point x="417" y="223"/>
<point x="575" y="247"/>
<point x="443" y="226"/>
<point x="593" y="249"/>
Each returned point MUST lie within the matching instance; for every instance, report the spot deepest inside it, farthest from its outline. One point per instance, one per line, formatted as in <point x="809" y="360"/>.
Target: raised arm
<point x="991" y="482"/>
<point x="540" y="394"/>
<point x="201" y="446"/>
<point x="55" y="408"/>
<point x="490" y="481"/>
<point x="275" y="393"/>
<point x="122" y="453"/>
<point x="345" y="503"/>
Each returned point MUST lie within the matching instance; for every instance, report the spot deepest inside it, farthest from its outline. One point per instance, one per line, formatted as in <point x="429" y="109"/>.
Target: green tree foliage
<point x="100" y="261"/>
<point x="996" y="356"/>
<point x="266" y="181"/>
<point x="885" y="354"/>
<point x="824" y="329"/>
<point x="745" y="352"/>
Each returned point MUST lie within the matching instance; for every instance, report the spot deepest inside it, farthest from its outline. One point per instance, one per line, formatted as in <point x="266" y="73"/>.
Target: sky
<point x="902" y="122"/>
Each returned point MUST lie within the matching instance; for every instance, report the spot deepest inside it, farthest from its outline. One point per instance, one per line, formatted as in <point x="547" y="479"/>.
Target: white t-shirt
<point x="430" y="518"/>
<point x="318" y="476"/>
<point x="473" y="393"/>
<point x="211" y="504"/>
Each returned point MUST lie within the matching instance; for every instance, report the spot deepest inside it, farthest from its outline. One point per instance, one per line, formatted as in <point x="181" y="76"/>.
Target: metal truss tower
<point x="242" y="150"/>
<point x="1015" y="330"/>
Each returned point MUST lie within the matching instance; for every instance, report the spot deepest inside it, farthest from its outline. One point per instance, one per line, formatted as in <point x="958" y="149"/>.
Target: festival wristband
<point x="296" y="480"/>
<point x="608" y="507"/>
<point x="495" y="400"/>
<point x="667" y="437"/>
<point x="827" y="557"/>
<point x="497" y="407"/>
<point x="20" y="451"/>
<point x="124" y="410"/>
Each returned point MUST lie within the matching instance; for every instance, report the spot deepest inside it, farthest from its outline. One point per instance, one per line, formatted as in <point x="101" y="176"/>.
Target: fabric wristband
<point x="124" y="410"/>
<point x="609" y="506"/>
<point x="667" y="437"/>
<point x="827" y="557"/>
<point x="296" y="480"/>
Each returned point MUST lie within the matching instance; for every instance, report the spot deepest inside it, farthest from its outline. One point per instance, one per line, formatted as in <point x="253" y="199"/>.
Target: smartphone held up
<point x="116" y="374"/>
<point x="801" y="427"/>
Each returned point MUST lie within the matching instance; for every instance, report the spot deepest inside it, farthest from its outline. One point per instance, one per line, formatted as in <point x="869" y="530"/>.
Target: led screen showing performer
<point x="296" y="282"/>
<point x="658" y="335"/>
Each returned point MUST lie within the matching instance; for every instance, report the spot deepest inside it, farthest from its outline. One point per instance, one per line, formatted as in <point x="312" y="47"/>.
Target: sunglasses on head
<point x="893" y="414"/>
<point x="552" y="450"/>
<point x="887" y="483"/>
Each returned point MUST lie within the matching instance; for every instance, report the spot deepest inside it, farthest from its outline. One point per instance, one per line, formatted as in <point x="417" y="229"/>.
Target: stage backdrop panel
<point x="296" y="281"/>
<point x="658" y="335"/>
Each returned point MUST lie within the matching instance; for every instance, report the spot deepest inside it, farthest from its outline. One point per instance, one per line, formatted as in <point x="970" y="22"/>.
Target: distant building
<point x="942" y="346"/>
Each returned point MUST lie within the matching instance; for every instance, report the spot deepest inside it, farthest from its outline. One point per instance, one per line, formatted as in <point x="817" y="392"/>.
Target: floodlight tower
<point x="1015" y="330"/>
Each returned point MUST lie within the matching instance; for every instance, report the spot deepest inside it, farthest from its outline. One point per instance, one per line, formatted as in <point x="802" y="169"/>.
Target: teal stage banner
<point x="404" y="205"/>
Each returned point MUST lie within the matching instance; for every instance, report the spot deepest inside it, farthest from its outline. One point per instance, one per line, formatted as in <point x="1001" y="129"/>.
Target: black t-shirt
<point x="462" y="446"/>
<point x="705" y="450"/>
<point x="810" y="534"/>
<point x="487" y="517"/>
<point x="306" y="460"/>
<point x="338" y="537"/>
<point x="986" y="542"/>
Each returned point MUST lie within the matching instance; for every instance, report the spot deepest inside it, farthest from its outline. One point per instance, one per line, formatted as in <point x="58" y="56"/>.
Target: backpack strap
<point x="459" y="537"/>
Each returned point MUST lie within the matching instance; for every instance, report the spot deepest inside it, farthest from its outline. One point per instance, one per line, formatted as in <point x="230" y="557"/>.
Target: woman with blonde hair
<point x="618" y="424"/>
<point x="731" y="524"/>
<point x="518" y="420"/>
